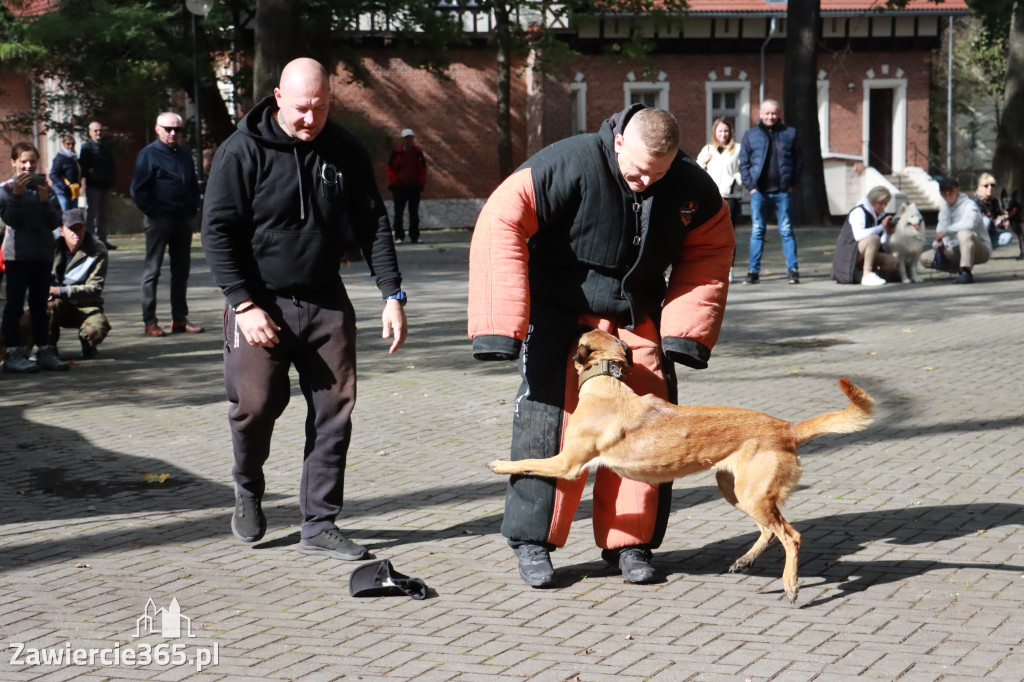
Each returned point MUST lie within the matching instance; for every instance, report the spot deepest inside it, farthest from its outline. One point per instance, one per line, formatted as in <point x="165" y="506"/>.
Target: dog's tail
<point x="855" y="417"/>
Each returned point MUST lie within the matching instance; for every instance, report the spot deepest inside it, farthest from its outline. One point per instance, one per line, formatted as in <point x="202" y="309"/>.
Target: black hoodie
<point x="273" y="221"/>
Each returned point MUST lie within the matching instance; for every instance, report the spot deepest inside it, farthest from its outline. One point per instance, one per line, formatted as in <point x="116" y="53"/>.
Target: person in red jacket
<point x="407" y="176"/>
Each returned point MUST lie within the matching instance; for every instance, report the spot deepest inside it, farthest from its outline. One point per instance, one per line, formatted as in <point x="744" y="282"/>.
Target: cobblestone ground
<point x="115" y="489"/>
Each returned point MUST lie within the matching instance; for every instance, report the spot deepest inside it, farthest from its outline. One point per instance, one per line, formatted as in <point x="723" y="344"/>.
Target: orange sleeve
<point x="699" y="283"/>
<point x="499" y="288"/>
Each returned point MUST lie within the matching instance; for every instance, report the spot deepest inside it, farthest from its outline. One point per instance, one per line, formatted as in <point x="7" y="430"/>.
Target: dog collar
<point x="607" y="368"/>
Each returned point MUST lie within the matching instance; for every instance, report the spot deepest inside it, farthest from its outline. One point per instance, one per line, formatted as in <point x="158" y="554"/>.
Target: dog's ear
<point x="627" y="351"/>
<point x="583" y="352"/>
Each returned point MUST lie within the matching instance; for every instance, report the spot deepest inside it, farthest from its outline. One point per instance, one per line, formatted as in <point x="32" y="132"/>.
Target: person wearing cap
<point x="166" y="190"/>
<point x="76" y="288"/>
<point x="407" y="177"/>
<point x="281" y="188"/>
<point x="960" y="234"/>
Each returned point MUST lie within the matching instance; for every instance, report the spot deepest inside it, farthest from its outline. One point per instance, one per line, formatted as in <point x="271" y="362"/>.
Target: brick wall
<point x="455" y="120"/>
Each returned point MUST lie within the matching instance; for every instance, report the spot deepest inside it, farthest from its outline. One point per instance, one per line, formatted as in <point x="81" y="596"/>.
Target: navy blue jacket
<point x="97" y="163"/>
<point x="753" y="153"/>
<point x="64" y="170"/>
<point x="164" y="181"/>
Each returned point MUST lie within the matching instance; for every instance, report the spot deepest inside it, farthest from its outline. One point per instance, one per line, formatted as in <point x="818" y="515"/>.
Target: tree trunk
<point x="1008" y="161"/>
<point x="277" y="26"/>
<point x="800" y="107"/>
<point x="503" y="37"/>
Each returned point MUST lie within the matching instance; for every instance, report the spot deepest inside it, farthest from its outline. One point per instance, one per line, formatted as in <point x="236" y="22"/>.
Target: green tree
<point x="121" y="58"/>
<point x="1008" y="162"/>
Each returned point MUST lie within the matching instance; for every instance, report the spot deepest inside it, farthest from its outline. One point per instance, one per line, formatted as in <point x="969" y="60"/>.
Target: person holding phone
<point x="31" y="213"/>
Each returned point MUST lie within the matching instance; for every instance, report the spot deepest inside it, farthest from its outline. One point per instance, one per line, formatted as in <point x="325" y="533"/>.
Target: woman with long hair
<point x="721" y="159"/>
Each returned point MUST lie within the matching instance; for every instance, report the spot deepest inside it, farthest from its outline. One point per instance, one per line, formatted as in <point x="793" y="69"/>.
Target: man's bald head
<point x="169" y="128"/>
<point x="303" y="98"/>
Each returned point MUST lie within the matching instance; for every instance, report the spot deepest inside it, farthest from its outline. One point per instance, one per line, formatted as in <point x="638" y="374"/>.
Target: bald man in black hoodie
<point x="281" y="190"/>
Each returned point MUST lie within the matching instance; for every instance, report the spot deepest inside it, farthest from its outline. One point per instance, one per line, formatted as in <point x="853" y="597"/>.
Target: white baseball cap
<point x="407" y="132"/>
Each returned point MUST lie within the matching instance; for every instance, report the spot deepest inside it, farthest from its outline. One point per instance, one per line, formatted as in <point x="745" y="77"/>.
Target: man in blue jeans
<point x="770" y="165"/>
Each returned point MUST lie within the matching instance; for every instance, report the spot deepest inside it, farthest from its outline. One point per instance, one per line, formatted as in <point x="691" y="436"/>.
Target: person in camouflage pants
<point x="76" y="289"/>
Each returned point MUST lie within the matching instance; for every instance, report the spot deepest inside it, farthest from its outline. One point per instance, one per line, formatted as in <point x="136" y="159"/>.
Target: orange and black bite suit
<point x="563" y="245"/>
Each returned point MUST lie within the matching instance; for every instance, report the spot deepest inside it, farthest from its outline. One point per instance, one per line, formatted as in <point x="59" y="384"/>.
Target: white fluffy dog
<point x="907" y="241"/>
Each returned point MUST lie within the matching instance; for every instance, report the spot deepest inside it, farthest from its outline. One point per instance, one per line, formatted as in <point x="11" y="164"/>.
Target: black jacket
<point x="97" y="163"/>
<point x="164" y="181"/>
<point x="277" y="211"/>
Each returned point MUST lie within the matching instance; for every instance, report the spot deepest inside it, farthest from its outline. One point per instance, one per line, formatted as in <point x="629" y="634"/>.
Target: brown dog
<point x="648" y="439"/>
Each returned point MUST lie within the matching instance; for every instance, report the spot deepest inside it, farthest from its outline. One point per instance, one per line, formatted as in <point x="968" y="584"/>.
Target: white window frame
<point x="578" y="92"/>
<point x="742" y="90"/>
<point x="659" y="89"/>
<point x="823" y="114"/>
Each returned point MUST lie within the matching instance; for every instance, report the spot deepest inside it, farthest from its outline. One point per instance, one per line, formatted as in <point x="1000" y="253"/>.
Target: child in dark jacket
<point x="31" y="213"/>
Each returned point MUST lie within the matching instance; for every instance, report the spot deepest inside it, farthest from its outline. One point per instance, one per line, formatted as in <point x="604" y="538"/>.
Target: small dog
<point x="1012" y="218"/>
<point x="907" y="241"/>
<point x="648" y="439"/>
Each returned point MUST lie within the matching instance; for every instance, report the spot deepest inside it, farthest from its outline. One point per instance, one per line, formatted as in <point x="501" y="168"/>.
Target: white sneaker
<point x="872" y="280"/>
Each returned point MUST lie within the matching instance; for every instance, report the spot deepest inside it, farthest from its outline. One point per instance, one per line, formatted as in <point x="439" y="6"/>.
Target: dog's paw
<point x="740" y="565"/>
<point x="499" y="466"/>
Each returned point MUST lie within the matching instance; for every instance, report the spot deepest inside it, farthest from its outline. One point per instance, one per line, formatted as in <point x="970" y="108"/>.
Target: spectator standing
<point x="66" y="174"/>
<point x="97" y="161"/>
<point x="771" y="162"/>
<point x="272" y="230"/>
<point x="960" y="234"/>
<point x="31" y="212"/>
<point x="721" y="159"/>
<point x="165" y="188"/>
<point x="580" y="236"/>
<point x="407" y="177"/>
<point x="76" y="288"/>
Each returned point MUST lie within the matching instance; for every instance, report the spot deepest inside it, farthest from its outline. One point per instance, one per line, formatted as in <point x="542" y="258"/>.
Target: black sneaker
<point x="794" y="276"/>
<point x="110" y="247"/>
<point x="752" y="278"/>
<point x="334" y="544"/>
<point x="965" y="277"/>
<point x="535" y="565"/>
<point x="635" y="563"/>
<point x="248" y="522"/>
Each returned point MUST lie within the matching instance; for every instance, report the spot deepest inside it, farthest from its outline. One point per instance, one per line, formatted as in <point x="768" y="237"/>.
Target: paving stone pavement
<point x="912" y="565"/>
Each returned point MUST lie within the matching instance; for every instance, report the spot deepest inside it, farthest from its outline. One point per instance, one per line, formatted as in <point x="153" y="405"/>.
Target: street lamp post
<point x="197" y="8"/>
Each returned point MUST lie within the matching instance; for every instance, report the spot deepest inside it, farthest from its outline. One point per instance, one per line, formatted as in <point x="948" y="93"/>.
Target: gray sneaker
<point x="17" y="362"/>
<point x="47" y="358"/>
<point x="535" y="565"/>
<point x="334" y="544"/>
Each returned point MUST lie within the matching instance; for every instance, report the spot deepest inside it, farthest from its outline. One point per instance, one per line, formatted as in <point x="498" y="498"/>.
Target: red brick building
<point x="874" y="76"/>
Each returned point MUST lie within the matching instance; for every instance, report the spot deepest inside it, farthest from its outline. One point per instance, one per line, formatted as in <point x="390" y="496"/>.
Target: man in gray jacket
<point x="960" y="234"/>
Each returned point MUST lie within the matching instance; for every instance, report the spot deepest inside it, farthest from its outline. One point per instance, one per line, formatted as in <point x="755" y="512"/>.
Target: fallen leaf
<point x="871" y="353"/>
<point x="410" y="366"/>
<point x="155" y="478"/>
<point x="982" y="530"/>
<point x="908" y="330"/>
<point x="929" y="369"/>
<point x="629" y="636"/>
<point x="81" y="565"/>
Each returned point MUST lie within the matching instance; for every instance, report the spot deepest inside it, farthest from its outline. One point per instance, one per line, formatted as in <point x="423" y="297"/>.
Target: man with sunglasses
<point x="286" y="191"/>
<point x="166" y="190"/>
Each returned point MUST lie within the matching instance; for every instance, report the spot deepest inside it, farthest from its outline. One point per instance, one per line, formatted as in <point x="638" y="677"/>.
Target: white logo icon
<point x="165" y="622"/>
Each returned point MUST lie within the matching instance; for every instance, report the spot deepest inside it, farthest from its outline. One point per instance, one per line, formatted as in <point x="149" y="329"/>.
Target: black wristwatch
<point x="400" y="297"/>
